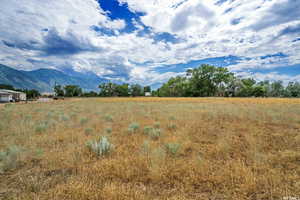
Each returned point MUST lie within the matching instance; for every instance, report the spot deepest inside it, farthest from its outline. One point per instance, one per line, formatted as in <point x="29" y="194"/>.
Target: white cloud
<point x="204" y="29"/>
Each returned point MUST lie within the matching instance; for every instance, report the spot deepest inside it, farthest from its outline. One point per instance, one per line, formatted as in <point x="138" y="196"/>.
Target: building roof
<point x="10" y="91"/>
<point x="5" y="93"/>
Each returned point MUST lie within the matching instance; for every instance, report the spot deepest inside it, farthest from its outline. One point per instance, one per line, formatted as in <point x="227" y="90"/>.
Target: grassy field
<point x="151" y="148"/>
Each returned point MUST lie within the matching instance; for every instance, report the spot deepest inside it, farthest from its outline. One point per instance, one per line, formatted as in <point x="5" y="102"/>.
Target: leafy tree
<point x="175" y="87"/>
<point x="123" y="90"/>
<point x="277" y="89"/>
<point x="208" y="80"/>
<point x="247" y="88"/>
<point x="293" y="90"/>
<point x="108" y="89"/>
<point x="59" y="91"/>
<point x="147" y="89"/>
<point x="6" y="87"/>
<point x="136" y="90"/>
<point x="90" y="94"/>
<point x="32" y="94"/>
<point x="72" y="91"/>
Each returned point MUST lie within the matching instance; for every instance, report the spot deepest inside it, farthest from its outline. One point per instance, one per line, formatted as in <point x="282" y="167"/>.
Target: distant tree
<point x="72" y="91"/>
<point x="6" y="87"/>
<point x="89" y="94"/>
<point x="247" y="89"/>
<point x="208" y="80"/>
<point x="277" y="89"/>
<point x="123" y="90"/>
<point x="108" y="89"/>
<point x="32" y="94"/>
<point x="258" y="91"/>
<point x="292" y="90"/>
<point x="175" y="87"/>
<point x="136" y="90"/>
<point x="59" y="91"/>
<point x="147" y="89"/>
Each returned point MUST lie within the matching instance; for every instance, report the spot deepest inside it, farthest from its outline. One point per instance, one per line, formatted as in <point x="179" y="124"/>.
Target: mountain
<point x="45" y="79"/>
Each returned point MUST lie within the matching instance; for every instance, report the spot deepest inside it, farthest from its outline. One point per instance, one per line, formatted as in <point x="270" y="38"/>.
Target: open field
<point x="162" y="148"/>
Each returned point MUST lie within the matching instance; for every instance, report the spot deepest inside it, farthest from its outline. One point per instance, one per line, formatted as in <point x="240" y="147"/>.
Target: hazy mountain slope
<point x="44" y="79"/>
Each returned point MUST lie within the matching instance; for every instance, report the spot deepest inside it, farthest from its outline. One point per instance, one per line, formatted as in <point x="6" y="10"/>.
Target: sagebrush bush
<point x="9" y="158"/>
<point x="172" y="148"/>
<point x="108" y="131"/>
<point x="108" y="118"/>
<point x="41" y="127"/>
<point x="156" y="125"/>
<point x="155" y="133"/>
<point x="133" y="127"/>
<point x="147" y="130"/>
<point x="101" y="147"/>
<point x="172" y="118"/>
<point x="83" y="121"/>
<point x="64" y="118"/>
<point x="172" y="126"/>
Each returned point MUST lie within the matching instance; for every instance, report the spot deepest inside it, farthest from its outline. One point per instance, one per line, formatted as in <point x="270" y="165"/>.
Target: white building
<point x="6" y="97"/>
<point x="147" y="94"/>
<point x="16" y="96"/>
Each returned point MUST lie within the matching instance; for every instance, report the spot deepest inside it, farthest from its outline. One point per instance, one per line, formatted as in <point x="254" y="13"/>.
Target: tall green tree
<point x="208" y="80"/>
<point x="108" y="89"/>
<point x="59" y="91"/>
<point x="136" y="90"/>
<point x="293" y="89"/>
<point x="72" y="91"/>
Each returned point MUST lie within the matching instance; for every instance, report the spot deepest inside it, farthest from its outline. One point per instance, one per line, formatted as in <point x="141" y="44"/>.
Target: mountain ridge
<point x="44" y="80"/>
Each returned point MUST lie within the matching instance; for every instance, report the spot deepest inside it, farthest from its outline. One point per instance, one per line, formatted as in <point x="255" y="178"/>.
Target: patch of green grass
<point x="9" y="158"/>
<point x="133" y="127"/>
<point x="172" y="148"/>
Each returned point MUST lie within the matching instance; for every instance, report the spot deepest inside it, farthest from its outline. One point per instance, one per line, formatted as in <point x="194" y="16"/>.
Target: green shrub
<point x="83" y="121"/>
<point x="172" y="148"/>
<point x="133" y="127"/>
<point x="9" y="158"/>
<point x="172" y="126"/>
<point x="147" y="130"/>
<point x="155" y="133"/>
<point x="108" y="118"/>
<point x="172" y="118"/>
<point x="41" y="127"/>
<point x="100" y="148"/>
<point x="64" y="118"/>
<point x="108" y="131"/>
<point x="156" y="125"/>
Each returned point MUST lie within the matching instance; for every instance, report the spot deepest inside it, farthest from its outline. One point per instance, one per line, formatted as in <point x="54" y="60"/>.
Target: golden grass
<point x="231" y="148"/>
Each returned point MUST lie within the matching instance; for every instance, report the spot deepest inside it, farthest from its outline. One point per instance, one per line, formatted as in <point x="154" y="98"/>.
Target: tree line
<point x="106" y="90"/>
<point x="204" y="81"/>
<point x="211" y="81"/>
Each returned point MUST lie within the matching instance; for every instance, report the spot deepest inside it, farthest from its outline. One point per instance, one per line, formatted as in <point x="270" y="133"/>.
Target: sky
<point x="149" y="41"/>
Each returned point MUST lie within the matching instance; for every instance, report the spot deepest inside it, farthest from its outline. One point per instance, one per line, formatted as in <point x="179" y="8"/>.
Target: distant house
<point x="16" y="96"/>
<point x="148" y="94"/>
<point x="5" y="97"/>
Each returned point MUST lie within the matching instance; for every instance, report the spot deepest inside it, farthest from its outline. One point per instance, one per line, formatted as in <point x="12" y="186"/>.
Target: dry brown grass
<point x="229" y="149"/>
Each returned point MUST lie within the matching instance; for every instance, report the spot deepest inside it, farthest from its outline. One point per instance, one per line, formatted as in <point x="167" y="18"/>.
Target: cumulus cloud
<point x="81" y="35"/>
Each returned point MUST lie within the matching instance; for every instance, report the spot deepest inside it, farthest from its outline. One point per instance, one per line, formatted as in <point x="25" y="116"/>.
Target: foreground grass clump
<point x="100" y="148"/>
<point x="172" y="148"/>
<point x="133" y="127"/>
<point x="9" y="158"/>
<point x="181" y="149"/>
